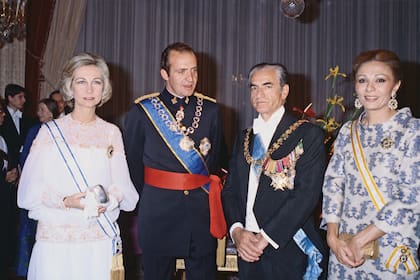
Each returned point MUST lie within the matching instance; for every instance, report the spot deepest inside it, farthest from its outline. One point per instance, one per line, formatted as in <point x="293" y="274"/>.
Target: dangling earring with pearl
<point x="357" y="103"/>
<point x="393" y="103"/>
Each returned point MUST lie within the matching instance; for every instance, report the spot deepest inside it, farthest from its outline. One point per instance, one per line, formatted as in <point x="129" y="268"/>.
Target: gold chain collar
<point x="179" y="116"/>
<point x="250" y="160"/>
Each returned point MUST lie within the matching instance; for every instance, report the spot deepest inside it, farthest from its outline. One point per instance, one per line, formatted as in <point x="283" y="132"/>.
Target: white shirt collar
<point x="14" y="113"/>
<point x="262" y="126"/>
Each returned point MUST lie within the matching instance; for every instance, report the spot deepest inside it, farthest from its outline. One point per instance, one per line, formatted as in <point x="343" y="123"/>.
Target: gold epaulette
<point x="146" y="96"/>
<point x="205" y="97"/>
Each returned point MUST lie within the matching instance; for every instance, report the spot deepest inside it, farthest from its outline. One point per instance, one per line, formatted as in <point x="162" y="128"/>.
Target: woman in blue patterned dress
<point x="371" y="186"/>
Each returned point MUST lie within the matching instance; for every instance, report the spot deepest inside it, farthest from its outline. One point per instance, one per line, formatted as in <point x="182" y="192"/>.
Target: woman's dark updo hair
<point x="384" y="56"/>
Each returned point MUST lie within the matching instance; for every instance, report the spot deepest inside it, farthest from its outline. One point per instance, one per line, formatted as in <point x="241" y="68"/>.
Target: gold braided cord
<point x="250" y="160"/>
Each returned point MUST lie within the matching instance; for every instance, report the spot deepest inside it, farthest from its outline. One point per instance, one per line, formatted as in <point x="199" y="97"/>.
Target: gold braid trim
<point x="200" y="95"/>
<point x="273" y="147"/>
<point x="146" y="96"/>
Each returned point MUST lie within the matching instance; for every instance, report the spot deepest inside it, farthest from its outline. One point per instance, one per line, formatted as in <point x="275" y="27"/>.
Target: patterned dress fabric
<point x="396" y="171"/>
<point x="69" y="246"/>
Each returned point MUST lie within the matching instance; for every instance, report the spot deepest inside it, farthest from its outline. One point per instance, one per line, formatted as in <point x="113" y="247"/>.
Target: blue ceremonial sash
<point x="163" y="121"/>
<point x="258" y="152"/>
<point x="313" y="270"/>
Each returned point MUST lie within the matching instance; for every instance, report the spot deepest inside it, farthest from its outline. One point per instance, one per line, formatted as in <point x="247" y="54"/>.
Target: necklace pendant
<point x="186" y="143"/>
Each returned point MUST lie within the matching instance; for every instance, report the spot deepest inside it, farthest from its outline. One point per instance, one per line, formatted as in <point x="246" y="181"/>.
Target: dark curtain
<point x="232" y="35"/>
<point x="38" y="20"/>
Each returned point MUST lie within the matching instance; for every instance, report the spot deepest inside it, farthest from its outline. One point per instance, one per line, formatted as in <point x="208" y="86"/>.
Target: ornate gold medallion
<point x="186" y="143"/>
<point x="205" y="146"/>
<point x="179" y="116"/>
<point x="110" y="151"/>
<point x="387" y="142"/>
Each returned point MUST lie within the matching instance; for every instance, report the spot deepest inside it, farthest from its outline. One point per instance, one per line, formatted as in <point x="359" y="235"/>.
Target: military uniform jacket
<point x="281" y="213"/>
<point x="169" y="219"/>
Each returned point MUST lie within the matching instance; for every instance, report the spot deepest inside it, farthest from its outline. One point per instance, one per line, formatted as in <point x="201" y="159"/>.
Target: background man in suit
<point x="13" y="130"/>
<point x="274" y="185"/>
<point x="172" y="142"/>
<point x="16" y="123"/>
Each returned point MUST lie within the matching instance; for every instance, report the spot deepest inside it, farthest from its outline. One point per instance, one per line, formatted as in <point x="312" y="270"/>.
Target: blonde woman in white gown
<point x="70" y="243"/>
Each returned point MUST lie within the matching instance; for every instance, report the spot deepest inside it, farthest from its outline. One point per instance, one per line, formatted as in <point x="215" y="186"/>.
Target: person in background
<point x="172" y="142"/>
<point x="47" y="110"/>
<point x="16" y="123"/>
<point x="8" y="177"/>
<point x="372" y="187"/>
<point x="58" y="97"/>
<point x="75" y="181"/>
<point x="273" y="186"/>
<point x="14" y="129"/>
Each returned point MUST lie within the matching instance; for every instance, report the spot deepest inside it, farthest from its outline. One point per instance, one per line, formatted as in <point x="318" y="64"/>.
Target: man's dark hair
<point x="179" y="47"/>
<point x="281" y="71"/>
<point x="54" y="92"/>
<point x="11" y="90"/>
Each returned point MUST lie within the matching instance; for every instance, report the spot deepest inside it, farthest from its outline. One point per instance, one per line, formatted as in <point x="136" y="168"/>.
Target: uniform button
<point x="186" y="192"/>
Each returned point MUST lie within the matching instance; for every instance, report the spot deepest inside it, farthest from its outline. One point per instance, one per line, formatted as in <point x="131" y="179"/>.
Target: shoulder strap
<point x="367" y="178"/>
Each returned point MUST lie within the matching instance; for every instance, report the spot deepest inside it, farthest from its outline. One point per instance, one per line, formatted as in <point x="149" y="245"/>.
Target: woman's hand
<point x="341" y="249"/>
<point x="343" y="252"/>
<point x="101" y="209"/>
<point x="73" y="201"/>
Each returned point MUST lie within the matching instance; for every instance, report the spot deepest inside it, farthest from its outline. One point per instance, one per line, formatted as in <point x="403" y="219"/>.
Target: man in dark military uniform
<point x="172" y="142"/>
<point x="274" y="185"/>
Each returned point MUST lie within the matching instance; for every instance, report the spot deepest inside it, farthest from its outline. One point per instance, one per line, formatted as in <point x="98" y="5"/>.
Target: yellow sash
<point x="370" y="184"/>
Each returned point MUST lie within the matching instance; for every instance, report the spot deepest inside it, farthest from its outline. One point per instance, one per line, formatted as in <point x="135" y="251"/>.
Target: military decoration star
<point x="205" y="146"/>
<point x="280" y="181"/>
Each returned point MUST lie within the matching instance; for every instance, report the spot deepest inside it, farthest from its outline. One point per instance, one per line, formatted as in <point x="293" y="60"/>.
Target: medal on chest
<point x="282" y="171"/>
<point x="186" y="143"/>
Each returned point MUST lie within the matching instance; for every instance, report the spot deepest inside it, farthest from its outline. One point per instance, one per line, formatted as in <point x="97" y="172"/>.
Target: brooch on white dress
<point x="109" y="151"/>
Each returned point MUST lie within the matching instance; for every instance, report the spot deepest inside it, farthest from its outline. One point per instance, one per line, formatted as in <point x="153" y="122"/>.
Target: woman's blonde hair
<point x="85" y="59"/>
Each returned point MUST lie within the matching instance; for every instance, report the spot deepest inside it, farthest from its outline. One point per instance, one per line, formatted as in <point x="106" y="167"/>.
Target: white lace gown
<point x="396" y="171"/>
<point x="68" y="245"/>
